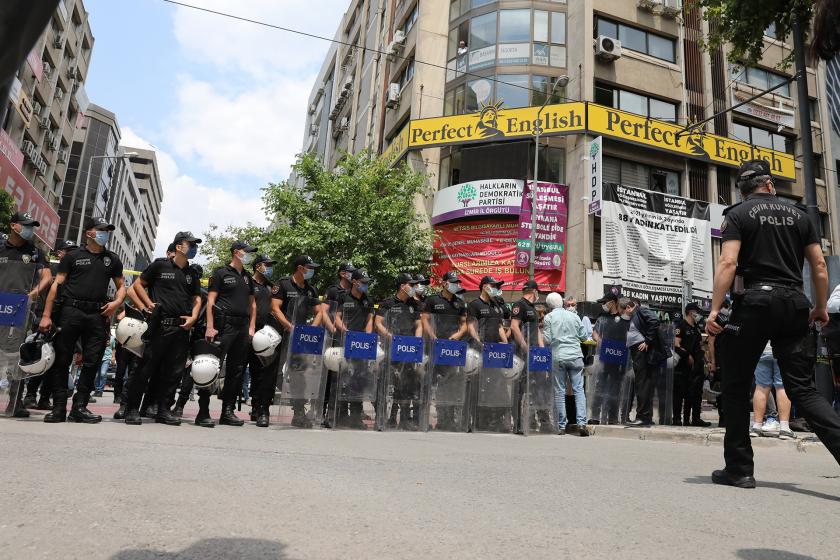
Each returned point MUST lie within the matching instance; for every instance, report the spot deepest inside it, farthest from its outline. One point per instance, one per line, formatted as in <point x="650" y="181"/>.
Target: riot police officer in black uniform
<point x="421" y="290"/>
<point x="187" y="384"/>
<point x="331" y="298"/>
<point x="231" y="315"/>
<point x="264" y="371"/>
<point x="690" y="370"/>
<point x="17" y="247"/>
<point x="83" y="276"/>
<point x="176" y="289"/>
<point x="485" y="317"/>
<point x="525" y="322"/>
<point x="765" y="241"/>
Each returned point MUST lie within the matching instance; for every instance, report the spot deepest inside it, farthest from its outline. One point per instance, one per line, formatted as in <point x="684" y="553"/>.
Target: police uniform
<point x="773" y="235"/>
<point x="400" y="317"/>
<point x="447" y="315"/>
<point x="83" y="293"/>
<point x="355" y="313"/>
<point x="688" y="379"/>
<point x="489" y="316"/>
<point x="174" y="290"/>
<point x="264" y="373"/>
<point x="529" y="320"/>
<point x="198" y="330"/>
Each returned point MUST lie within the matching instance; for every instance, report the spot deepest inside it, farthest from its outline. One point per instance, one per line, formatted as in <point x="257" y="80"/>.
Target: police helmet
<point x="36" y="355"/>
<point x="265" y="341"/>
<point x="206" y="364"/>
<point x="473" y="361"/>
<point x="130" y="332"/>
<point x="334" y="358"/>
<point x="514" y="371"/>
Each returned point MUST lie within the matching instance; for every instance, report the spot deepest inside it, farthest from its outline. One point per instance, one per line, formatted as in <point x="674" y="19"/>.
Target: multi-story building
<point x="438" y="83"/>
<point x="47" y="102"/>
<point x="145" y="168"/>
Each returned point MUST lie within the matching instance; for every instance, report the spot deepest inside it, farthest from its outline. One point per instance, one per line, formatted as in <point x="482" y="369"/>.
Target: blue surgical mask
<point x="420" y="289"/>
<point x="192" y="252"/>
<point x="267" y="271"/>
<point x="362" y="288"/>
<point x="310" y="272"/>
<point x="247" y="258"/>
<point x="26" y="232"/>
<point x="453" y="287"/>
<point x="102" y="238"/>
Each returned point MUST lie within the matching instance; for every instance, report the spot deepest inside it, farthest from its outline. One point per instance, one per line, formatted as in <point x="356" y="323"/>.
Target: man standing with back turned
<point x="765" y="240"/>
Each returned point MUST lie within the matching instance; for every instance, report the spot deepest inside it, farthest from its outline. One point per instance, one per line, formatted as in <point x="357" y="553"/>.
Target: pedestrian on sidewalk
<point x="768" y="376"/>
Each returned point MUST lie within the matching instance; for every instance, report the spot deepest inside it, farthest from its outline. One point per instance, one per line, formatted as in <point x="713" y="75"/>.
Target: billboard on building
<point x="478" y="198"/>
<point x="27" y="199"/>
<point x="652" y="242"/>
<point x="551" y="220"/>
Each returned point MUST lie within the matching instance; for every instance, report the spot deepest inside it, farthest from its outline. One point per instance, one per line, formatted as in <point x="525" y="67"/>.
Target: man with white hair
<point x="564" y="332"/>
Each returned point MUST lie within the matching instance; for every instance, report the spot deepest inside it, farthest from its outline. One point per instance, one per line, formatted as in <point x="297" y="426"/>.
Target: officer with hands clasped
<point x="176" y="302"/>
<point x="765" y="241"/>
<point x="231" y="317"/>
<point x="83" y="276"/>
<point x="264" y="370"/>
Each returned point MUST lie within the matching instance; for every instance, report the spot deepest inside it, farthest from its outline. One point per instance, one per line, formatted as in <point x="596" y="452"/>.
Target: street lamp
<point x="87" y="186"/>
<point x="562" y="81"/>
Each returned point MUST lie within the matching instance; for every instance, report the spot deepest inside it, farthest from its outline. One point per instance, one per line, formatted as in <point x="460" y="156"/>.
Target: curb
<point x="701" y="436"/>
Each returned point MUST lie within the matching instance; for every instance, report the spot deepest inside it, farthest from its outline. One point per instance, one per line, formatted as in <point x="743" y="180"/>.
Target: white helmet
<point x="514" y="371"/>
<point x="36" y="356"/>
<point x="130" y="332"/>
<point x="423" y="366"/>
<point x="265" y="341"/>
<point x="672" y="360"/>
<point x="380" y="354"/>
<point x="473" y="361"/>
<point x="554" y="300"/>
<point x="206" y="364"/>
<point x="334" y="358"/>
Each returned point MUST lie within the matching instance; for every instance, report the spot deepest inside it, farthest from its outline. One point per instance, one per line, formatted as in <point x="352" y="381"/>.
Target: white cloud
<point x="190" y="205"/>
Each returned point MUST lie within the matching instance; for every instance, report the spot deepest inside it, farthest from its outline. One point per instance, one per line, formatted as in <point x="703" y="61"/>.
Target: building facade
<point x="144" y="167"/>
<point x="463" y="65"/>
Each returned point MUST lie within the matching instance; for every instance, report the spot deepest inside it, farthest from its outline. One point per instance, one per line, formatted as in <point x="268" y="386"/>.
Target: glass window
<point x="741" y="132"/>
<point x="483" y="31"/>
<point x="478" y="92"/>
<point x="454" y="9"/>
<point x="604" y="96"/>
<point x="477" y="3"/>
<point x="762" y="138"/>
<point x="514" y="26"/>
<point x="660" y="47"/>
<point x="757" y="77"/>
<point x="540" y="26"/>
<point x="558" y="28"/>
<point x="541" y="86"/>
<point x="607" y="28"/>
<point x="663" y="110"/>
<point x="775" y="79"/>
<point x="513" y="90"/>
<point x="632" y="38"/>
<point x="460" y="106"/>
<point x="443" y="178"/>
<point x="632" y="102"/>
<point x="635" y="175"/>
<point x="448" y="103"/>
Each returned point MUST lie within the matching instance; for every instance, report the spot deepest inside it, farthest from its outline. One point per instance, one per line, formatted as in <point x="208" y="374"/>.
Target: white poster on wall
<point x="514" y="53"/>
<point x="651" y="242"/>
<point x="482" y="58"/>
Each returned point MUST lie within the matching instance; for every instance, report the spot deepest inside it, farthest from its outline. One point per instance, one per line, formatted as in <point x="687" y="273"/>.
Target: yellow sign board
<point x="495" y="123"/>
<point x="665" y="136"/>
<point x="397" y="148"/>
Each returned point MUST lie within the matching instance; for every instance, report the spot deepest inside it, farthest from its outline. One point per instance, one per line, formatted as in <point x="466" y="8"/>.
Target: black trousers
<point x="235" y="343"/>
<point x="781" y="316"/>
<point x="163" y="363"/>
<point x="644" y="381"/>
<point x="40" y="382"/>
<point x="607" y="394"/>
<point x="92" y="329"/>
<point x="263" y="378"/>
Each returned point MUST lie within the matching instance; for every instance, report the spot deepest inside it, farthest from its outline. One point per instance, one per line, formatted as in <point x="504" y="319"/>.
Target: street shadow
<point x="784" y="486"/>
<point x="770" y="554"/>
<point x="241" y="549"/>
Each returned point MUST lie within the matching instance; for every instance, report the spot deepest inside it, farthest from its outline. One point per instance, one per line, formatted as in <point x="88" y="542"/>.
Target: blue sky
<point x="223" y="102"/>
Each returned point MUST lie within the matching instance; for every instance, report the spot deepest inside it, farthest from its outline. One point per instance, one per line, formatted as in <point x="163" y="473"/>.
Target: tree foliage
<point x="7" y="208"/>
<point x="363" y="212"/>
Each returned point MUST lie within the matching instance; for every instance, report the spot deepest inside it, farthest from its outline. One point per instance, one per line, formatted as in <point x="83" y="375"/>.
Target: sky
<point x="223" y="102"/>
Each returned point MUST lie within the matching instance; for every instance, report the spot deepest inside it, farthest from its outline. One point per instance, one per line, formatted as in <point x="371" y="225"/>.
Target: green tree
<point x="7" y="208"/>
<point x="215" y="244"/>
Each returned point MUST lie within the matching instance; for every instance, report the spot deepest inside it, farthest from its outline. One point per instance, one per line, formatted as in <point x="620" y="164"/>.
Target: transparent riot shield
<point x="538" y="412"/>
<point x="609" y="392"/>
<point x="663" y="379"/>
<point x="400" y="401"/>
<point x="494" y="387"/>
<point x="356" y="360"/>
<point x="303" y="376"/>
<point x="445" y="388"/>
<point x="16" y="281"/>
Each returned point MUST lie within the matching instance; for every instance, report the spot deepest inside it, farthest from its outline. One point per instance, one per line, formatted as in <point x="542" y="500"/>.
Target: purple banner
<point x="552" y="216"/>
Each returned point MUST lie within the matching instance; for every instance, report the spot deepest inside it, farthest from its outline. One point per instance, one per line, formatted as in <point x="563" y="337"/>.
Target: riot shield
<point x="16" y="281"/>
<point x="610" y="384"/>
<point x="663" y="380"/>
<point x="445" y="387"/>
<point x="400" y="399"/>
<point x="303" y="376"/>
<point x="538" y="412"/>
<point x="357" y="360"/>
<point x="494" y="392"/>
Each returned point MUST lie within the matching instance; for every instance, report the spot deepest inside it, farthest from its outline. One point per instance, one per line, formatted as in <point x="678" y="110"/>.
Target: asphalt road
<point x="119" y="492"/>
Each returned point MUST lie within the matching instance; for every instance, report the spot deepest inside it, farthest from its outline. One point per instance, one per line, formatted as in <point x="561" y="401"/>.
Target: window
<point x="770" y="31"/>
<point x="558" y="28"/>
<point x="760" y="78"/>
<point x="478" y="92"/>
<point x="540" y="26"/>
<point x="762" y="138"/>
<point x="409" y="22"/>
<point x="632" y="174"/>
<point x="514" y="26"/>
<point x="637" y="39"/>
<point x="513" y="90"/>
<point x="635" y="103"/>
<point x="541" y="86"/>
<point x="406" y="75"/>
<point x="483" y="31"/>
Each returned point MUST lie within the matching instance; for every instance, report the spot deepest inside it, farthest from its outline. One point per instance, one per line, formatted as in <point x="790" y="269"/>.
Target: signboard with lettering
<point x="27" y="199"/>
<point x="596" y="169"/>
<point x="307" y="339"/>
<point x="449" y="352"/>
<point x="406" y="349"/>
<point x="552" y="217"/>
<point x="478" y="198"/>
<point x="360" y="346"/>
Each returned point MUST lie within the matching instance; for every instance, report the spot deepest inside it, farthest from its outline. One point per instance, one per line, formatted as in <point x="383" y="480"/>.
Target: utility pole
<point x="805" y="124"/>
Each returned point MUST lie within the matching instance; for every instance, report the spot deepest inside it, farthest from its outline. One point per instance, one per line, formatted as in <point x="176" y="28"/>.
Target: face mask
<point x="695" y="316"/>
<point x="101" y="238"/>
<point x="453" y="287"/>
<point x="26" y="232"/>
<point x="409" y="291"/>
<point x="606" y="308"/>
<point x="267" y="271"/>
<point x="247" y="258"/>
<point x="496" y="292"/>
<point x="420" y="290"/>
<point x="310" y="272"/>
<point x="459" y="296"/>
<point x="626" y="316"/>
<point x="192" y="251"/>
<point x="362" y="288"/>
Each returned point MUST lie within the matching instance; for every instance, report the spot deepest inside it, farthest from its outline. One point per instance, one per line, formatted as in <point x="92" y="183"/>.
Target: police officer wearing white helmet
<point x="175" y="290"/>
<point x="263" y="354"/>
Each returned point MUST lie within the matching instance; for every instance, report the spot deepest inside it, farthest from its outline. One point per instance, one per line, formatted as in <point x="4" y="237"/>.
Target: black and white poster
<point x="652" y="242"/>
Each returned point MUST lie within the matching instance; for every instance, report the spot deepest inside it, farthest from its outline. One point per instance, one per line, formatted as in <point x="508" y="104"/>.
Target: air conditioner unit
<point x="344" y="123"/>
<point x="825" y="244"/>
<point x="671" y="8"/>
<point x="62" y="156"/>
<point x="47" y="69"/>
<point x="59" y="94"/>
<point x="28" y="149"/>
<point x="54" y="145"/>
<point x="37" y="108"/>
<point x="649" y="5"/>
<point x="607" y="48"/>
<point x="348" y="85"/>
<point x="312" y="109"/>
<point x="399" y="36"/>
<point x="313" y="130"/>
<point x="393" y="50"/>
<point x="58" y="43"/>
<point x="50" y="138"/>
<point x="71" y="71"/>
<point x="44" y="122"/>
<point x="393" y="96"/>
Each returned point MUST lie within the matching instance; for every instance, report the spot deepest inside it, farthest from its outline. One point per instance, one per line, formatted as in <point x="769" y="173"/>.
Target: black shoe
<point x="701" y="423"/>
<point x="166" y="417"/>
<point x="723" y="477"/>
<point x="133" y="418"/>
<point x="29" y="401"/>
<point x="676" y="422"/>
<point x="82" y="415"/>
<point x="178" y="411"/>
<point x="228" y="418"/>
<point x="637" y="423"/>
<point x="583" y="431"/>
<point x="203" y="419"/>
<point x="263" y="418"/>
<point x="253" y="415"/>
<point x="21" y="413"/>
<point x="58" y="415"/>
<point x="97" y="393"/>
<point x="120" y="413"/>
<point x="149" y="412"/>
<point x="594" y="422"/>
<point x="301" y="421"/>
<point x="43" y="404"/>
<point x="563" y="431"/>
<point x="117" y="399"/>
<point x="799" y="425"/>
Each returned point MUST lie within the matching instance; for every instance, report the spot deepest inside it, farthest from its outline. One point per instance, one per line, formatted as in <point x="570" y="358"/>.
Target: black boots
<point x="80" y="413"/>
<point x="120" y="413"/>
<point x="203" y="419"/>
<point x="132" y="417"/>
<point x="58" y="414"/>
<point x="263" y="417"/>
<point x="228" y="418"/>
<point x="164" y="416"/>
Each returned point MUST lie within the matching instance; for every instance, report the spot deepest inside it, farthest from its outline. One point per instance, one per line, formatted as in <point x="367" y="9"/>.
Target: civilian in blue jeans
<point x="107" y="359"/>
<point x="564" y="332"/>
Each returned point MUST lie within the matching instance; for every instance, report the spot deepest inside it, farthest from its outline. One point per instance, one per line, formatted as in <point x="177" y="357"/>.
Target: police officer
<point x="765" y="241"/>
<point x="524" y="326"/>
<point x="186" y="386"/>
<point x="345" y="281"/>
<point x="331" y="298"/>
<point x="399" y="315"/>
<point x="83" y="276"/>
<point x="17" y="247"/>
<point x="444" y="316"/>
<point x="690" y="370"/>
<point x="231" y="316"/>
<point x="299" y="304"/>
<point x="421" y="290"/>
<point x="485" y="324"/>
<point x="264" y="373"/>
<point x="355" y="313"/>
<point x="176" y="289"/>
